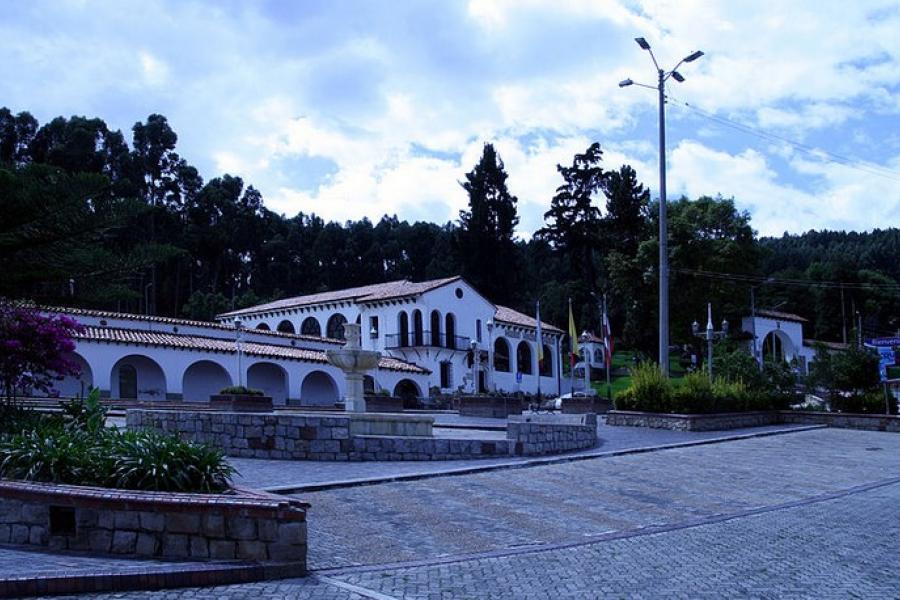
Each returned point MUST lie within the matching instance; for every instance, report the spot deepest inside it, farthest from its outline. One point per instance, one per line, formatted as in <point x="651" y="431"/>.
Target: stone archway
<point x="334" y="329"/>
<point x="271" y="379"/>
<point x="203" y="379"/>
<point x="310" y="326"/>
<point x="137" y="377"/>
<point x="286" y="327"/>
<point x="523" y="358"/>
<point x="319" y="389"/>
<point x="501" y="355"/>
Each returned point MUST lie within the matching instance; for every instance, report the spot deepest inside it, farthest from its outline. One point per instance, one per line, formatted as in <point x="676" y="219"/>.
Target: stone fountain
<point x="355" y="363"/>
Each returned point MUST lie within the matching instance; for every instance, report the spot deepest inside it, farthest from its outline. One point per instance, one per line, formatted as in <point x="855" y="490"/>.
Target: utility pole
<point x="661" y="77"/>
<point x="843" y="316"/>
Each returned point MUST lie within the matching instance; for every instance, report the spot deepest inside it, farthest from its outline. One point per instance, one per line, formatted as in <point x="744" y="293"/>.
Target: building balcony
<point x="425" y="339"/>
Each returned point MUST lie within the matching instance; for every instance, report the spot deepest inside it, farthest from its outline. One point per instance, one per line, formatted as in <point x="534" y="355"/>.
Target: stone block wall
<point x="358" y="438"/>
<point x="536" y="435"/>
<point x="676" y="422"/>
<point x="247" y="525"/>
<point x="843" y="420"/>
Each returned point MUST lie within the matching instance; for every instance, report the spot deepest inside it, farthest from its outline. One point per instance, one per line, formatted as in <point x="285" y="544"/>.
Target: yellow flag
<point x="573" y="334"/>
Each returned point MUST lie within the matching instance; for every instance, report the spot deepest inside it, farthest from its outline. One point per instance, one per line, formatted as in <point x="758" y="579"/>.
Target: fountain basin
<point x="391" y="424"/>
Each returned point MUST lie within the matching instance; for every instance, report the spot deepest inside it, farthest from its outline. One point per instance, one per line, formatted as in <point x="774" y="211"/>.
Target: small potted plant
<point x="241" y="398"/>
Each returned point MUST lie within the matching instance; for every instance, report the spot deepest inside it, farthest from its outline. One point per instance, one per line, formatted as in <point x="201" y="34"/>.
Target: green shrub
<point x="240" y="390"/>
<point x="144" y="460"/>
<point x="694" y="395"/>
<point x="76" y="447"/>
<point x="650" y="390"/>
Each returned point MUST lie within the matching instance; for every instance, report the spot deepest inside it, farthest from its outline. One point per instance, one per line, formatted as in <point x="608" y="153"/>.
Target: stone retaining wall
<point x="722" y="421"/>
<point x="535" y="435"/>
<point x="578" y="406"/>
<point x="359" y="437"/>
<point x="245" y="525"/>
<point x="677" y="422"/>
<point x="843" y="420"/>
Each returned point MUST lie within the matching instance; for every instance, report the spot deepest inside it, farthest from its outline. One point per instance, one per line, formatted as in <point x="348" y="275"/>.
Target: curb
<point x="522" y="464"/>
<point x="144" y="578"/>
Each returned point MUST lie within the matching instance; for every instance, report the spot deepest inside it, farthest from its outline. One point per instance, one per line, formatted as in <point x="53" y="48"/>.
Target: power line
<point x="762" y="280"/>
<point x="817" y="153"/>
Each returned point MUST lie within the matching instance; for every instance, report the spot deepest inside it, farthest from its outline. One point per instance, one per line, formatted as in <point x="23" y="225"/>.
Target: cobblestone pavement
<point x="846" y="547"/>
<point x="556" y="503"/>
<point x="262" y="474"/>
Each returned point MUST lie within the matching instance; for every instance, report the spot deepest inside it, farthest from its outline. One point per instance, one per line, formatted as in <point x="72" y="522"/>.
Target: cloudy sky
<point x="361" y="108"/>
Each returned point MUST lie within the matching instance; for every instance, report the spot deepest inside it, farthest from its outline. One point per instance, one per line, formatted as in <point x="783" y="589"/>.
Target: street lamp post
<point x="662" y="76"/>
<point x="710" y="335"/>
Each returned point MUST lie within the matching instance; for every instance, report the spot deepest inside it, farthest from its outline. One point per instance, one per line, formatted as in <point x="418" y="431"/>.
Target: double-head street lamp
<point x="662" y="77"/>
<point x="710" y="335"/>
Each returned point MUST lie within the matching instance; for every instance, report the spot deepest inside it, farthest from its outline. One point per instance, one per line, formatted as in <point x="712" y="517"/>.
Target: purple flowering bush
<point x="34" y="349"/>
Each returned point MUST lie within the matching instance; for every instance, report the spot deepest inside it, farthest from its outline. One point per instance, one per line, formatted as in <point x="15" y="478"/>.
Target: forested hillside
<point x="89" y="219"/>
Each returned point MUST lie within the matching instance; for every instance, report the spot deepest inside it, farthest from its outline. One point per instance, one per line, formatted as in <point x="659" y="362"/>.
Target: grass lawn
<point x="624" y="359"/>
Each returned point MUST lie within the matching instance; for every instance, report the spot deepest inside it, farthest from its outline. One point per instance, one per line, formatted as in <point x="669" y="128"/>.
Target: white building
<point x="433" y="334"/>
<point x="157" y="359"/>
<point x="779" y="336"/>
<point x="443" y="325"/>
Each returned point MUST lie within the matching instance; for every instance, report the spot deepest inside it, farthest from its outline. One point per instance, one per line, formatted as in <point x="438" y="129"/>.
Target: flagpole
<point x="571" y="351"/>
<point x="608" y="334"/>
<point x="540" y="351"/>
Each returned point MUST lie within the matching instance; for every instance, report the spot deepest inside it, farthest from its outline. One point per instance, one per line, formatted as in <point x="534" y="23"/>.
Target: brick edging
<point x="146" y="578"/>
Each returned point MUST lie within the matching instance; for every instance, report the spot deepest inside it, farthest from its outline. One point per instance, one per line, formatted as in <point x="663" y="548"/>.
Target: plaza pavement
<point x="811" y="514"/>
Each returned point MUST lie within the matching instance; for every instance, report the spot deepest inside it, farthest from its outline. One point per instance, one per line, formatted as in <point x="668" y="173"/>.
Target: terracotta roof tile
<point x="207" y="344"/>
<point x="774" y="314"/>
<point x="105" y="314"/>
<point x="366" y="293"/>
<point x="514" y="317"/>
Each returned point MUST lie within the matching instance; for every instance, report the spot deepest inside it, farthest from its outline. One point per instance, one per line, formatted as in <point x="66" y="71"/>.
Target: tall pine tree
<point x="484" y="243"/>
<point x="573" y="222"/>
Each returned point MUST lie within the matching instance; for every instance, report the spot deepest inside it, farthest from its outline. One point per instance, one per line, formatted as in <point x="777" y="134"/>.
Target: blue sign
<point x="518" y="376"/>
<point x="885" y="359"/>
<point x="884" y="342"/>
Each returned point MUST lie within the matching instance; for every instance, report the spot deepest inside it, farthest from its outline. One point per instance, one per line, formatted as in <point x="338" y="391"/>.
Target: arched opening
<point x="450" y="330"/>
<point x="318" y="389"/>
<point x="408" y="391"/>
<point x="76" y="386"/>
<point x="270" y="378"/>
<point x="546" y="363"/>
<point x="262" y="327"/>
<point x="598" y="356"/>
<point x="403" y="329"/>
<point x="523" y="358"/>
<point x="137" y="377"/>
<point x="203" y="379"/>
<point x="435" y="328"/>
<point x="368" y="385"/>
<point x="334" y="329"/>
<point x="310" y="326"/>
<point x="286" y="327"/>
<point x="501" y="355"/>
<point x="418" y="334"/>
<point x="777" y="347"/>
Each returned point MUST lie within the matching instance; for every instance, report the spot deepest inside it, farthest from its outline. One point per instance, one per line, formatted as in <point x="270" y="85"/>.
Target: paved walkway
<point x="277" y="475"/>
<point x="813" y="514"/>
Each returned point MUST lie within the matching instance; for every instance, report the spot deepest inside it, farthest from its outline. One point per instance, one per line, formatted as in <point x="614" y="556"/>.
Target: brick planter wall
<point x="676" y="422"/>
<point x="497" y="407"/>
<point x="246" y="525"/>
